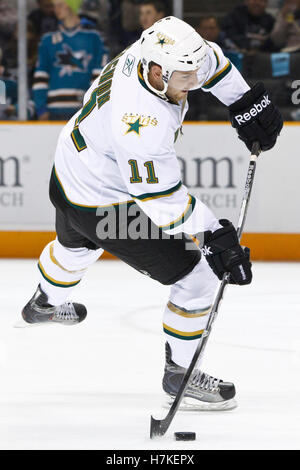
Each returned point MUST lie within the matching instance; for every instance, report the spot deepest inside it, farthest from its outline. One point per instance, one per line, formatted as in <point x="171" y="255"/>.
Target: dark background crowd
<point x="69" y="41"/>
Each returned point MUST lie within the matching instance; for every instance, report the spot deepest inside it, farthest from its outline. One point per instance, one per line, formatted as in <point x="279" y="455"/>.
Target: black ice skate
<point x="39" y="311"/>
<point x="204" y="391"/>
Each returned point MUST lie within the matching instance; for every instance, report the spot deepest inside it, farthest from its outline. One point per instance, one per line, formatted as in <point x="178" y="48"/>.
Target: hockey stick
<point x="158" y="427"/>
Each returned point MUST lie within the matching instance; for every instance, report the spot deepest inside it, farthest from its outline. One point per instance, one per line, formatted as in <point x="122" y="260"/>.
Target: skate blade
<point x="192" y="404"/>
<point x="23" y="324"/>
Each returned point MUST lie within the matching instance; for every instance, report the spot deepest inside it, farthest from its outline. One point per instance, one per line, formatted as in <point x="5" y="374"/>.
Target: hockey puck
<point x="185" y="436"/>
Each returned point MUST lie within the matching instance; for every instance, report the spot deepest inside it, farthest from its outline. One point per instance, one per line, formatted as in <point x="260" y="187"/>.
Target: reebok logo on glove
<point x="206" y="251"/>
<point x="224" y="254"/>
<point x="254" y="111"/>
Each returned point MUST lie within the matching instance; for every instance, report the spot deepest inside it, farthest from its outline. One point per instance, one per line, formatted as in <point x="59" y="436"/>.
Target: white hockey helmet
<point x="175" y="46"/>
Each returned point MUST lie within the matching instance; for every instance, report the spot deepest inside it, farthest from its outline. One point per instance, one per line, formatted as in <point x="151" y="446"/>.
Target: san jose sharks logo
<point x="70" y="61"/>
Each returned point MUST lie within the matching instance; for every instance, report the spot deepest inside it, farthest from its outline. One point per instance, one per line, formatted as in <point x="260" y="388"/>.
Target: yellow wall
<point x="264" y="246"/>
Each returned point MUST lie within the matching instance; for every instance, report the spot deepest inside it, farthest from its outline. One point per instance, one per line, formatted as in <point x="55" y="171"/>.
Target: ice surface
<point x="95" y="385"/>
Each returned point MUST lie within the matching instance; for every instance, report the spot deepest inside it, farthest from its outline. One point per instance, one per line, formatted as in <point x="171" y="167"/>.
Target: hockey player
<point x="116" y="185"/>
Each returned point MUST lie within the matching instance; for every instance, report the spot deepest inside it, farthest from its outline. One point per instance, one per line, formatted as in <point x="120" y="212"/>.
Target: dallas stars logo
<point x="162" y="40"/>
<point x="134" y="127"/>
<point x="136" y="121"/>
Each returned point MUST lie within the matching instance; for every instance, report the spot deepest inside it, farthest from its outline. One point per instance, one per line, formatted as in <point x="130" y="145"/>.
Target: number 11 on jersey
<point x="136" y="178"/>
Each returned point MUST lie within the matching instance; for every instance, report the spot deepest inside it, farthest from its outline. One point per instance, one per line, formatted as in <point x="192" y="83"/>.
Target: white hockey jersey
<point x="120" y="146"/>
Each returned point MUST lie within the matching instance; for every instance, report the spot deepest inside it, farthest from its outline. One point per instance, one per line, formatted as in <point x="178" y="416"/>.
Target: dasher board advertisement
<point x="213" y="163"/>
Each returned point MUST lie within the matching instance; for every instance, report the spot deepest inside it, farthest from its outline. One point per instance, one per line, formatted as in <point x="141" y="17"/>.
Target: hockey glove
<point x="256" y="118"/>
<point x="224" y="254"/>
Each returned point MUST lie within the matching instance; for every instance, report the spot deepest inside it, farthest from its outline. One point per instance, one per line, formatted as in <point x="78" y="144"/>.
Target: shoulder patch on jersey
<point x="137" y="121"/>
<point x="128" y="65"/>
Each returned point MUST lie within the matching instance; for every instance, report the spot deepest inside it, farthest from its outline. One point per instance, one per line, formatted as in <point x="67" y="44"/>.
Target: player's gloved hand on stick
<point x="256" y="118"/>
<point x="224" y="253"/>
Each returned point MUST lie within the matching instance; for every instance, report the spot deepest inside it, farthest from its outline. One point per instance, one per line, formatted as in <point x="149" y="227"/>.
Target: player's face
<point x="180" y="83"/>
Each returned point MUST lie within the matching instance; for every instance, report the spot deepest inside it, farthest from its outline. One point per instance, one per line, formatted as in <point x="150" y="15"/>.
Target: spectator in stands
<point x="1" y="65"/>
<point x="11" y="53"/>
<point x="9" y="34"/>
<point x="9" y="108"/>
<point x="249" y="26"/>
<point x="70" y="58"/>
<point x="8" y="23"/>
<point x="8" y="17"/>
<point x="128" y="19"/>
<point x="129" y="22"/>
<point x="286" y="32"/>
<point x="32" y="50"/>
<point x="43" y="19"/>
<point x="210" y="30"/>
<point x="124" y="28"/>
<point x="95" y="13"/>
<point x="150" y="12"/>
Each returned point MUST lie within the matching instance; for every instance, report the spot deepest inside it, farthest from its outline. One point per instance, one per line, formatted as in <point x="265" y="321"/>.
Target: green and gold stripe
<point x="149" y="196"/>
<point x="106" y="76"/>
<point x="183" y="217"/>
<point x="215" y="54"/>
<point x="54" y="261"/>
<point x="217" y="59"/>
<point x="62" y="191"/>
<point x="54" y="282"/>
<point x="83" y="207"/>
<point x="103" y="88"/>
<point x="99" y="96"/>
<point x="88" y="107"/>
<point x="116" y="205"/>
<point x="218" y="76"/>
<point x="103" y="99"/>
<point x="187" y="336"/>
<point x="202" y="312"/>
<point x="78" y="140"/>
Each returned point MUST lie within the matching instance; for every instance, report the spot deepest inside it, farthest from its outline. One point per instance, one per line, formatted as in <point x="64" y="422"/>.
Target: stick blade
<point x="157" y="427"/>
